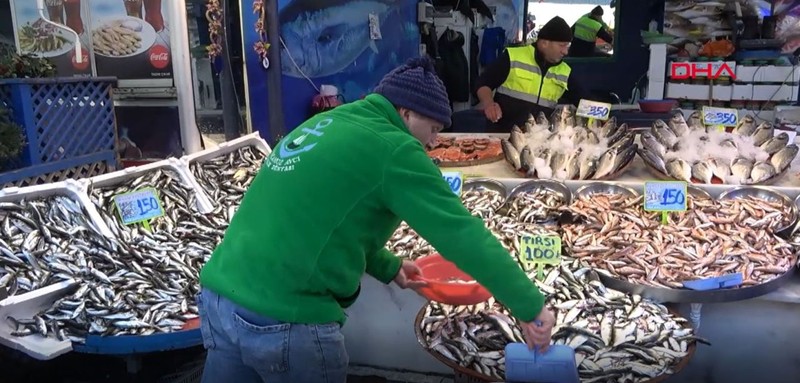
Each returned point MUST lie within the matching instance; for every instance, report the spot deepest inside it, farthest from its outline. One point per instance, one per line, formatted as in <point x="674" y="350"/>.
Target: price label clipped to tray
<point x="455" y="180"/>
<point x="139" y="206"/>
<point x="594" y="110"/>
<point x="720" y="117"/>
<point x="539" y="250"/>
<point x="665" y="197"/>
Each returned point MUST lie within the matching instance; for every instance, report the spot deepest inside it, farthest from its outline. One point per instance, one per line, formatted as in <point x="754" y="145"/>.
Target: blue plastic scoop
<point x="556" y="365"/>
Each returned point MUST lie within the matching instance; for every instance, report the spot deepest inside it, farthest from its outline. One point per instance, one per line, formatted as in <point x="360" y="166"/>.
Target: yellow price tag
<point x="540" y="250"/>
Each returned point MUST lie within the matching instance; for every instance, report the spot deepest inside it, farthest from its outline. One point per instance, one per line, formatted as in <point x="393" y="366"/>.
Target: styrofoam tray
<point x="203" y="203"/>
<point x="253" y="139"/>
<point x="25" y="306"/>
<point x="69" y="188"/>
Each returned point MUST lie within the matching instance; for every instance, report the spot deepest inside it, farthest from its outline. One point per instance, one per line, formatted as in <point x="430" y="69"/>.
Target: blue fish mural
<point x="324" y="37"/>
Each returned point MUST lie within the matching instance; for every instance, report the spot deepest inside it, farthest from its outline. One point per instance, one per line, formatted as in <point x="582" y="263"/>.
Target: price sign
<point x="540" y="250"/>
<point x="665" y="197"/>
<point x="594" y="110"/>
<point x="138" y="206"/>
<point x="720" y="116"/>
<point x="455" y="180"/>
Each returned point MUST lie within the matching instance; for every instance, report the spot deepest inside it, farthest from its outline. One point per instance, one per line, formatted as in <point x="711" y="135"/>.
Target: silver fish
<point x="695" y="121"/>
<point x="587" y="168"/>
<point x="526" y="159"/>
<point x="541" y="119"/>
<point x="678" y="124"/>
<point x="720" y="169"/>
<point x="702" y="171"/>
<point x="652" y="144"/>
<point x="746" y="126"/>
<point x="606" y="164"/>
<point x="664" y="134"/>
<point x="563" y="116"/>
<point x="761" y="172"/>
<point x="679" y="169"/>
<point x="763" y="132"/>
<point x="783" y="157"/>
<point x="741" y="169"/>
<point x="776" y="143"/>
<point x="517" y="138"/>
<point x="558" y="161"/>
<point x="653" y="158"/>
<point x="573" y="165"/>
<point x="511" y="153"/>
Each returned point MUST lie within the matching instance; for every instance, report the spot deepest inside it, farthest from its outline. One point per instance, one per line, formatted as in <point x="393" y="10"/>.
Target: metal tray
<point x="766" y="194"/>
<point x="486" y="183"/>
<point x="666" y="295"/>
<point x="557" y="187"/>
<point x="604" y="187"/>
<point x="666" y="177"/>
<point x="477" y="376"/>
<point x="696" y="192"/>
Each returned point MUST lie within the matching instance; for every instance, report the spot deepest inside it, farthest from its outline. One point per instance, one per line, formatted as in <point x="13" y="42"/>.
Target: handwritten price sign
<point x="665" y="196"/>
<point x="138" y="206"/>
<point x="540" y="250"/>
<point x="720" y="116"/>
<point x="455" y="180"/>
<point x="593" y="109"/>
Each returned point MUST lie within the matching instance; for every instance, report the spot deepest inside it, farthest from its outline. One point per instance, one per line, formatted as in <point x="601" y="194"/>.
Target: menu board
<point x="130" y="39"/>
<point x="37" y="38"/>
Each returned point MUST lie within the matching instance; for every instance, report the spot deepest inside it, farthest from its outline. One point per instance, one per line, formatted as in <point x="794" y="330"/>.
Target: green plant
<point x="13" y="65"/>
<point x="12" y="140"/>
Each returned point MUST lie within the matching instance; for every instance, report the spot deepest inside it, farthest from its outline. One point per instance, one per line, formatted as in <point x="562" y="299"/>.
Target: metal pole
<point x="182" y="73"/>
<point x="274" y="93"/>
<point x="230" y="103"/>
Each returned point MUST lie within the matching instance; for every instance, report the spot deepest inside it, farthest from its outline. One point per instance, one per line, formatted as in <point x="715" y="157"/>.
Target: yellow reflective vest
<point x="586" y="28"/>
<point x="525" y="81"/>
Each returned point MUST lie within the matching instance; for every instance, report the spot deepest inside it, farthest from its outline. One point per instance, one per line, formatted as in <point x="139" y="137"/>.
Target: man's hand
<point x="409" y="276"/>
<point x="537" y="333"/>
<point x="493" y="112"/>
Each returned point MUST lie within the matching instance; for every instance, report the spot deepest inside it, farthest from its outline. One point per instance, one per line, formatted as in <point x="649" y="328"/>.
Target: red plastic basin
<point x="442" y="276"/>
<point x="657" y="106"/>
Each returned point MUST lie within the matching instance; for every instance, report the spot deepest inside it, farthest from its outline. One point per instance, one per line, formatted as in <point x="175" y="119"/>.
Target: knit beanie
<point x="597" y="11"/>
<point x="415" y="86"/>
<point x="556" y="30"/>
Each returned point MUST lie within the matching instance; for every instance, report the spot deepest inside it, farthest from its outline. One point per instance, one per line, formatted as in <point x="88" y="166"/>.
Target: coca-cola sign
<point x="159" y="57"/>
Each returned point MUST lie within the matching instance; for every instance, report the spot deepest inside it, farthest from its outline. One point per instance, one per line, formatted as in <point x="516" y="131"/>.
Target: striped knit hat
<point x="416" y="87"/>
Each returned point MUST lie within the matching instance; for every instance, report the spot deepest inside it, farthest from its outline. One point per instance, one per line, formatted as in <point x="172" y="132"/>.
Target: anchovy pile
<point x="482" y="202"/>
<point x="226" y="178"/>
<point x="37" y="233"/>
<point x="711" y="239"/>
<point x="406" y="243"/>
<point x="537" y="205"/>
<point x="616" y="337"/>
<point x="690" y="151"/>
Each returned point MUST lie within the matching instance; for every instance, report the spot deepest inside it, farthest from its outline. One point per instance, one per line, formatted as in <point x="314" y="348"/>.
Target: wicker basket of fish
<point x="133" y="281"/>
<point x="568" y="147"/>
<point x="686" y="150"/>
<point x="34" y="219"/>
<point x="635" y="253"/>
<point x="616" y="337"/>
<point x="225" y="173"/>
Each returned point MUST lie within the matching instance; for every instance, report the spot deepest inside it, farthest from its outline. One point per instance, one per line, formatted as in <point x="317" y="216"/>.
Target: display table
<point x="379" y="331"/>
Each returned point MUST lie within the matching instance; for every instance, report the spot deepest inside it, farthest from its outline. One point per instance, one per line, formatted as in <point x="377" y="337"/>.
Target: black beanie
<point x="556" y="30"/>
<point x="415" y="86"/>
<point x="597" y="11"/>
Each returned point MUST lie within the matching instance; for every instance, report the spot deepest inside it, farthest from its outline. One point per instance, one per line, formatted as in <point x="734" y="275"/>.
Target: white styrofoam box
<point x="771" y="73"/>
<point x="775" y="93"/>
<point x="698" y="92"/>
<point x="657" y="70"/>
<point x="655" y="90"/>
<point x="109" y="179"/>
<point x="252" y="139"/>
<point x="69" y="188"/>
<point x="25" y="306"/>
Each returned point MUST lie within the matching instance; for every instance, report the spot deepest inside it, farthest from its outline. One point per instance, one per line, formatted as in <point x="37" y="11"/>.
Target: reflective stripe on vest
<point x="586" y="29"/>
<point x="524" y="81"/>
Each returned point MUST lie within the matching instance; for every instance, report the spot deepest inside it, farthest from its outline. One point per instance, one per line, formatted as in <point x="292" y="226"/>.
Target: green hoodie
<point x="329" y="196"/>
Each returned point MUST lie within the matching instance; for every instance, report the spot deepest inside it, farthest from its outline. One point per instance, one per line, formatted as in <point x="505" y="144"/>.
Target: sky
<point x="545" y="11"/>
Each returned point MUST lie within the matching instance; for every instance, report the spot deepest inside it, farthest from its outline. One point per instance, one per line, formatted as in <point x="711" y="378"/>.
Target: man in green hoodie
<point x="317" y="217"/>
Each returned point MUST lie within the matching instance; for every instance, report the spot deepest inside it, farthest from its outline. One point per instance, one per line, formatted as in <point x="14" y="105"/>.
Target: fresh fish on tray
<point x="482" y="202"/>
<point x="537" y="205"/>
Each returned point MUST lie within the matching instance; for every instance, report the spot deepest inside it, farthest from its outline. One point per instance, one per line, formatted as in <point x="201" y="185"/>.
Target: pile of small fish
<point x="509" y="231"/>
<point x="406" y="243"/>
<point x="570" y="147"/>
<point x="37" y="235"/>
<point x="616" y="337"/>
<point x="689" y="20"/>
<point x="711" y="239"/>
<point x="226" y="178"/>
<point x="536" y="205"/>
<point x="482" y="202"/>
<point x="689" y="151"/>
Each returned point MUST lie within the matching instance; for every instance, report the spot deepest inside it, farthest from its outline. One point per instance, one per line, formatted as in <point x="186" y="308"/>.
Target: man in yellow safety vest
<point x="586" y="31"/>
<point x="529" y="79"/>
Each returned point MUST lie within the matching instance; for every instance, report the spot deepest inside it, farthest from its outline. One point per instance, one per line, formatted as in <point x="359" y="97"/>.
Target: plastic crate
<point x="67" y="123"/>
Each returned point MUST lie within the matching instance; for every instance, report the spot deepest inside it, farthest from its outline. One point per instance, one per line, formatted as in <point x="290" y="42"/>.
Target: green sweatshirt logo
<point x="289" y="150"/>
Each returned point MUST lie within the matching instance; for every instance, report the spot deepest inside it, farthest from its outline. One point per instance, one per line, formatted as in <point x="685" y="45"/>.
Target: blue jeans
<point x="246" y="347"/>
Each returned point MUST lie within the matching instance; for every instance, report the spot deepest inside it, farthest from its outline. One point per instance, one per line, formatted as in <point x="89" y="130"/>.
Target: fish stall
<point x="79" y="277"/>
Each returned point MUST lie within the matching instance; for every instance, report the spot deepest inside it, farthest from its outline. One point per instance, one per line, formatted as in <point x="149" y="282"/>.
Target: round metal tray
<point x="666" y="177"/>
<point x="485" y="378"/>
<point x="554" y="186"/>
<point x="486" y="184"/>
<point x="666" y="295"/>
<point x="696" y="192"/>
<point x="766" y="194"/>
<point x="604" y="188"/>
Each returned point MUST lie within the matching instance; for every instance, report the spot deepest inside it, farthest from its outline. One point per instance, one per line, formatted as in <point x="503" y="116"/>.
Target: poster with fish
<point x="509" y="15"/>
<point x="36" y="37"/>
<point x="690" y="21"/>
<point x="329" y="43"/>
<point x="130" y="40"/>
